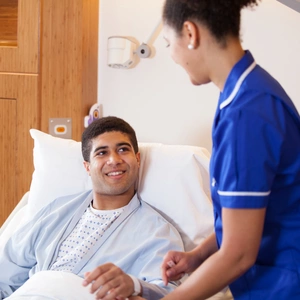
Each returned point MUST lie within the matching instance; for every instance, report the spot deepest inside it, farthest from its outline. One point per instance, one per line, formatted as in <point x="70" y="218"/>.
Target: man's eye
<point x="101" y="153"/>
<point x="123" y="149"/>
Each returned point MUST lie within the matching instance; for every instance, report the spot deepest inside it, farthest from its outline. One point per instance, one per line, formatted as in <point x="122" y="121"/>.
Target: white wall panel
<point x="156" y="97"/>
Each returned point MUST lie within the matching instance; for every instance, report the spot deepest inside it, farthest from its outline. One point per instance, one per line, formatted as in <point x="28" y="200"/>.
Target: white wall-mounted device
<point x="120" y="52"/>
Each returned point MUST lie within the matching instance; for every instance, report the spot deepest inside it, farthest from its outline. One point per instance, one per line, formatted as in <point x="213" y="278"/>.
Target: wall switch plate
<point x="61" y="127"/>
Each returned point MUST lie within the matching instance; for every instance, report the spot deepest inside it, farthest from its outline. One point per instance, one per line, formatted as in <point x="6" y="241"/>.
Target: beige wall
<point x="156" y="96"/>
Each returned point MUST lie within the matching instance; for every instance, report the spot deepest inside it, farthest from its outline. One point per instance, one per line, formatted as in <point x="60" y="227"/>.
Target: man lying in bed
<point x="107" y="236"/>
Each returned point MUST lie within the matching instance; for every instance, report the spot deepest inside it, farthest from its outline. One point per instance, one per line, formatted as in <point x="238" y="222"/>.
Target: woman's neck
<point x="222" y="59"/>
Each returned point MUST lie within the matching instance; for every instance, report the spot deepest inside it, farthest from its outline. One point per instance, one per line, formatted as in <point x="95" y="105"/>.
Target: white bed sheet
<point x="53" y="285"/>
<point x="57" y="285"/>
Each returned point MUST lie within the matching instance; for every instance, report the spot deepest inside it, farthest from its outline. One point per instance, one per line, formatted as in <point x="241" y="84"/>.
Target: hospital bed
<point x="173" y="179"/>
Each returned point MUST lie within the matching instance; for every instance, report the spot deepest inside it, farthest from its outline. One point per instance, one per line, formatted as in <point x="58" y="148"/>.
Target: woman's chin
<point x="198" y="82"/>
<point x="195" y="82"/>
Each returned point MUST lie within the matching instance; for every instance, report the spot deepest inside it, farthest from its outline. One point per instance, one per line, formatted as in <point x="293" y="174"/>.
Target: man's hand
<point x="109" y="282"/>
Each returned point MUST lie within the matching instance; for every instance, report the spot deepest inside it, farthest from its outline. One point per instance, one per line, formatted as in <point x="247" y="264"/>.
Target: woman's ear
<point x="191" y="32"/>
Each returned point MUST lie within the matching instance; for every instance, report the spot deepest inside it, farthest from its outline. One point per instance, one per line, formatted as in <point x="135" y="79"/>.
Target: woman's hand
<point x="176" y="264"/>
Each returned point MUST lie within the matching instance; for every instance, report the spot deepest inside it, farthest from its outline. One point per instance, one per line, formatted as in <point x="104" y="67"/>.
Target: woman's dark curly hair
<point x="221" y="17"/>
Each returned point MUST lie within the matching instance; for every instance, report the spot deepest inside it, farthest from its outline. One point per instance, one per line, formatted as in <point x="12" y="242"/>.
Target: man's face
<point x="113" y="165"/>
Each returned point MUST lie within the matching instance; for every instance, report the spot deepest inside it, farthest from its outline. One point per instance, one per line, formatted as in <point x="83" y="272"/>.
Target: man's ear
<point x="87" y="166"/>
<point x="192" y="34"/>
<point x="138" y="158"/>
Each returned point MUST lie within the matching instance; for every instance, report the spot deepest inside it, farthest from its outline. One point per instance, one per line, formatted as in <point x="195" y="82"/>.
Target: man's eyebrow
<point x="124" y="144"/>
<point x="118" y="145"/>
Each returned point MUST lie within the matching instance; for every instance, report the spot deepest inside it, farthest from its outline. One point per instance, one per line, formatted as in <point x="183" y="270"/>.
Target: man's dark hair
<point x="102" y="125"/>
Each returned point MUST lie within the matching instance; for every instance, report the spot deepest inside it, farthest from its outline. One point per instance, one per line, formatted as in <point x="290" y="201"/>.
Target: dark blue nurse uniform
<point x="255" y="163"/>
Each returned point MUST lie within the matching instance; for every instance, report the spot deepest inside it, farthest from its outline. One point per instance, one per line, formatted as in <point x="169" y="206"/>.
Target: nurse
<point x="255" y="162"/>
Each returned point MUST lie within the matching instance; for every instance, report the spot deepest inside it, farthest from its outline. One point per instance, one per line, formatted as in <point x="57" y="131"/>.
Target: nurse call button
<point x="60" y="129"/>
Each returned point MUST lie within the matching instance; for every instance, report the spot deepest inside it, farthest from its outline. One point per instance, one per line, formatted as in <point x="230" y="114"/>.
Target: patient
<point x="107" y="236"/>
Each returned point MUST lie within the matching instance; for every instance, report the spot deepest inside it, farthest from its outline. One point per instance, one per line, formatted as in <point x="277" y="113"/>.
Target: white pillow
<point x="58" y="169"/>
<point x="173" y="178"/>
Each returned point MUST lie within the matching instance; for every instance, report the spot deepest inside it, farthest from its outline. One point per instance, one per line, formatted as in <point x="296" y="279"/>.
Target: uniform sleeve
<point x="248" y="143"/>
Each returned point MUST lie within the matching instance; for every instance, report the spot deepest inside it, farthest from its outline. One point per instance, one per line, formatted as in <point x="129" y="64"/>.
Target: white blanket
<point x="53" y="285"/>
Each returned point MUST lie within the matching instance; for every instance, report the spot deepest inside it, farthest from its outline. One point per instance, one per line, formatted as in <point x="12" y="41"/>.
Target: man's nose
<point x="114" y="158"/>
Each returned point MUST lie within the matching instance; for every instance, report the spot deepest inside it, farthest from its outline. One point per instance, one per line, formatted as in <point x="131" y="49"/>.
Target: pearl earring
<point x="190" y="46"/>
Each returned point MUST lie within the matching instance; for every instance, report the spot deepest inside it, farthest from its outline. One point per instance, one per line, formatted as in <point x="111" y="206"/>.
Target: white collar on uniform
<point x="237" y="85"/>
